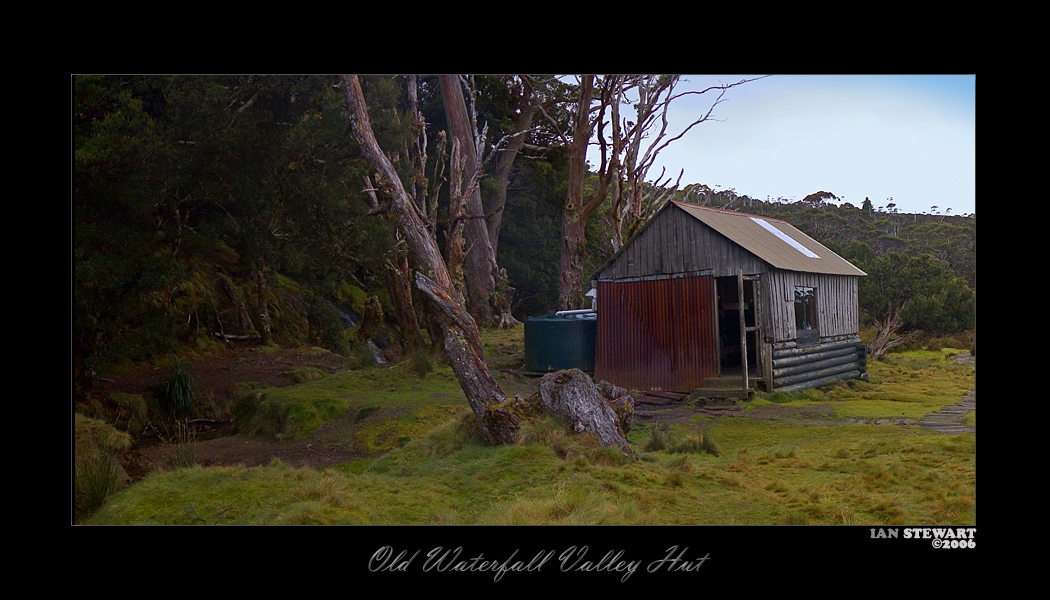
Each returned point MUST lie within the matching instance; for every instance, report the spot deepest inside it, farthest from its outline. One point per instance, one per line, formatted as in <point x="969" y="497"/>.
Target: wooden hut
<point x="700" y="293"/>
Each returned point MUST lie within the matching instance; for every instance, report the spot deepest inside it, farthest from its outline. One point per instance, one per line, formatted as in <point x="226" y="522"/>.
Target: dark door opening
<point x="729" y="324"/>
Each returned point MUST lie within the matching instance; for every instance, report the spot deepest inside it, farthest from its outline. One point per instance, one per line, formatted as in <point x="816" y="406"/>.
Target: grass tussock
<point x="95" y="479"/>
<point x="97" y="470"/>
<point x="178" y="392"/>
<point x="182" y="451"/>
<point x="663" y="439"/>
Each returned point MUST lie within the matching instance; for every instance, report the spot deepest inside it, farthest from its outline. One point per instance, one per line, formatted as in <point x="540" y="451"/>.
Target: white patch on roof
<point x="784" y="237"/>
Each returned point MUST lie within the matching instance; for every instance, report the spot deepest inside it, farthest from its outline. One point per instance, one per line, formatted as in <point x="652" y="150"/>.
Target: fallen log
<point x="230" y="337"/>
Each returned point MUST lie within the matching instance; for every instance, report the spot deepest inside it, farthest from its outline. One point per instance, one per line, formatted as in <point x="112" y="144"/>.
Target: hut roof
<point x="774" y="241"/>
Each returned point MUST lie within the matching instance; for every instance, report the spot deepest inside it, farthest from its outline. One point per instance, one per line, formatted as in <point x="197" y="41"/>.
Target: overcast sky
<point x="909" y="137"/>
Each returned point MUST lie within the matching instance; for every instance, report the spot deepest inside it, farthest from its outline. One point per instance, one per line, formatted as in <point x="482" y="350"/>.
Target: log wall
<point x="834" y="359"/>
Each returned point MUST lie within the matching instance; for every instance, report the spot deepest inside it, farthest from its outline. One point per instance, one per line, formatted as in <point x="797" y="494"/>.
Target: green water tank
<point x="561" y="341"/>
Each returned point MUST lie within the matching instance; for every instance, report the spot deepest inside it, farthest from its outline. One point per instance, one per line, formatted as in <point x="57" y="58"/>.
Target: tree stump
<point x="621" y="402"/>
<point x="572" y="396"/>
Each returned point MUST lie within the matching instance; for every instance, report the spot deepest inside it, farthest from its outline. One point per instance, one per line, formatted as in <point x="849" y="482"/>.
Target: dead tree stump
<point x="570" y="395"/>
<point x="621" y="402"/>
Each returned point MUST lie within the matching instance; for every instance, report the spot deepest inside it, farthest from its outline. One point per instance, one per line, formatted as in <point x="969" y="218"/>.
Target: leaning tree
<point x="498" y="418"/>
<point x="462" y="338"/>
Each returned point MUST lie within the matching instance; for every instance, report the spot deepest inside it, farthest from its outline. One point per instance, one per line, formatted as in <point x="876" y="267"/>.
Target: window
<point x="805" y="308"/>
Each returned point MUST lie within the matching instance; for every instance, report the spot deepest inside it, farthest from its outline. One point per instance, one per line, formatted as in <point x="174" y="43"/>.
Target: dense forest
<point x="215" y="210"/>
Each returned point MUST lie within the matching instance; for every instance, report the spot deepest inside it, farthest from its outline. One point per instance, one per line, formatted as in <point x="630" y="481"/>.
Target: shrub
<point x="326" y="326"/>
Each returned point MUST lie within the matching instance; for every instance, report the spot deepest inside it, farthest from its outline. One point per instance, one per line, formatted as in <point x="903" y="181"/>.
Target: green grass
<point x="433" y="472"/>
<point x="907" y="385"/>
<point x="854" y="474"/>
<point x="297" y="411"/>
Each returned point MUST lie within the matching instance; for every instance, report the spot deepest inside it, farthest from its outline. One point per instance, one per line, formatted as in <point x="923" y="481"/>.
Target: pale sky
<point x="909" y="137"/>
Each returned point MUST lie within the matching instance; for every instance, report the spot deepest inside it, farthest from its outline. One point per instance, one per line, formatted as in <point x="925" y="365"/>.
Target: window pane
<point x="805" y="308"/>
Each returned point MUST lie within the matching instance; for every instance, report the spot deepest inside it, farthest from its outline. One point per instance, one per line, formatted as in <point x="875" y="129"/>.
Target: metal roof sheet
<point x="775" y="241"/>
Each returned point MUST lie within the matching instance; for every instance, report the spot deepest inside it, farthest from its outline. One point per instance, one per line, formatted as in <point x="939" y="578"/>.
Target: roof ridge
<point x="727" y="211"/>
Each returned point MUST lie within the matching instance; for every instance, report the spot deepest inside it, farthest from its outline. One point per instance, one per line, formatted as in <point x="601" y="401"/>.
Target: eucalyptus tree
<point x="634" y="108"/>
<point x="498" y="418"/>
<point x="461" y="336"/>
<point x="115" y="149"/>
<point x="196" y="191"/>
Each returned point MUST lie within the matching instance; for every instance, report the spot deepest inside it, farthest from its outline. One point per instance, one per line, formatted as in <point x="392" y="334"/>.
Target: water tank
<point x="561" y="341"/>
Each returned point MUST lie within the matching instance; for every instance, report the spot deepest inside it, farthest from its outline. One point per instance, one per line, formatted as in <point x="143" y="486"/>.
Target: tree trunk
<point x="504" y="163"/>
<point x="573" y="253"/>
<point x="479" y="266"/>
<point x="577" y="211"/>
<point x="462" y="339"/>
<point x="264" y="312"/>
<point x="399" y="281"/>
<point x="580" y="402"/>
<point x="885" y="328"/>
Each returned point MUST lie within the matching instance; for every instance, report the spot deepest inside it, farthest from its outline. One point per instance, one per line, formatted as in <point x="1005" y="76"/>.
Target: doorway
<point x="727" y="289"/>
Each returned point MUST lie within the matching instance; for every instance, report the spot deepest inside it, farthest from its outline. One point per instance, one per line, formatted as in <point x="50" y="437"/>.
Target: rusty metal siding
<point x="657" y="334"/>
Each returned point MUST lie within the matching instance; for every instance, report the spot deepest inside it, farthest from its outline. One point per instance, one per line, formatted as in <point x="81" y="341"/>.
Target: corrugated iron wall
<point x="657" y="335"/>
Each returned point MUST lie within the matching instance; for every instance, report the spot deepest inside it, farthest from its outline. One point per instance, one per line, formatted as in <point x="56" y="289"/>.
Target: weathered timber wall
<point x="837" y="309"/>
<point x="675" y="242"/>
